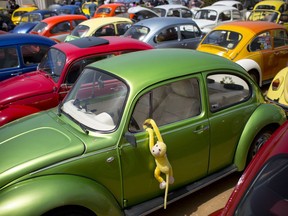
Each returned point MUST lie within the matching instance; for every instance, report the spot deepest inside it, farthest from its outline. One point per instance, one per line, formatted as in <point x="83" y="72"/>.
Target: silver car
<point x="167" y="32"/>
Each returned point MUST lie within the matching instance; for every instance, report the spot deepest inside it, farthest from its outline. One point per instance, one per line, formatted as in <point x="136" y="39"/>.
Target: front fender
<point x="264" y="115"/>
<point x="13" y="112"/>
<point x="42" y="194"/>
<point x="249" y="64"/>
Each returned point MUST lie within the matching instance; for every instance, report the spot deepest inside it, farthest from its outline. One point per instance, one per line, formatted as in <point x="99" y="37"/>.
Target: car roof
<point x="226" y="2"/>
<point x="82" y="46"/>
<point x="170" y="6"/>
<point x="159" y="22"/>
<point x="156" y="65"/>
<point x="277" y="3"/>
<point x="64" y="17"/>
<point x="111" y="5"/>
<point x="104" y="21"/>
<point x="14" y="38"/>
<point x="41" y="12"/>
<point x="218" y="8"/>
<point x="254" y="26"/>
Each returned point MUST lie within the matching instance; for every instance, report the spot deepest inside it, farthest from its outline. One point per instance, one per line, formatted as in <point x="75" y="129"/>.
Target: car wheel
<point x="258" y="142"/>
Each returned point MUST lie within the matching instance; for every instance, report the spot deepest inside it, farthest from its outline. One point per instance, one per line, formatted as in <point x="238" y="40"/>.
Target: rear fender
<point x="264" y="115"/>
<point x="249" y="64"/>
<point x="42" y="194"/>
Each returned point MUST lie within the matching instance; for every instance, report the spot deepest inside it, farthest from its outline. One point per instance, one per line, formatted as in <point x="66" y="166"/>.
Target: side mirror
<point x="131" y="139"/>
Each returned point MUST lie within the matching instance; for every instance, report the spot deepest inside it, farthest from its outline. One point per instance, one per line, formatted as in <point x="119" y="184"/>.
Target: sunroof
<point x="86" y="42"/>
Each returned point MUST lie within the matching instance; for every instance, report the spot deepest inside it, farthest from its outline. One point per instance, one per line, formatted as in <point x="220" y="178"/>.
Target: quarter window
<point x="225" y="90"/>
<point x="261" y="42"/>
<point x="189" y="31"/>
<point x="280" y="38"/>
<point x="8" y="57"/>
<point x="167" y="104"/>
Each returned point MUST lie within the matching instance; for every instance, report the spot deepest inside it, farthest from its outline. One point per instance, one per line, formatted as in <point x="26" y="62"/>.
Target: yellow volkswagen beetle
<point x="278" y="89"/>
<point x="85" y="7"/>
<point x="105" y="26"/>
<point x="16" y="15"/>
<point x="277" y="5"/>
<point x="260" y="47"/>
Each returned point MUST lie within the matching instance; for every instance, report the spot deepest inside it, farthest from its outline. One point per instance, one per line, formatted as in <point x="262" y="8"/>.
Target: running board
<point x="152" y="205"/>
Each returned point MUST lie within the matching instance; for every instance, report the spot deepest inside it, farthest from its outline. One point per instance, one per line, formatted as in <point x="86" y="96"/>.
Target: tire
<point x="258" y="142"/>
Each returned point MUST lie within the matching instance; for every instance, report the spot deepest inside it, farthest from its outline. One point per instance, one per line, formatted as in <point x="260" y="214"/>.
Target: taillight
<point x="276" y="84"/>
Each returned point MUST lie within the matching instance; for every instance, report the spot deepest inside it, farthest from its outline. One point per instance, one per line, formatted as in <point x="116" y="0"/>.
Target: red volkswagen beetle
<point x="262" y="189"/>
<point x="60" y="67"/>
<point x="58" y="27"/>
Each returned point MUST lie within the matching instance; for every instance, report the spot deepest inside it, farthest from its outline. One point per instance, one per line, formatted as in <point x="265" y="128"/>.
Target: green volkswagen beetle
<point x="91" y="155"/>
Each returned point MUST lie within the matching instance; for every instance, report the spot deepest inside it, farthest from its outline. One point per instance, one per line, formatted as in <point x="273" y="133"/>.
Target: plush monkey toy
<point x="158" y="150"/>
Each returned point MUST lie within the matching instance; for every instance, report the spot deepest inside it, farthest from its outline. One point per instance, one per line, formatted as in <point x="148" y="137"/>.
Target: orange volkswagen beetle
<point x="58" y="27"/>
<point x="113" y="9"/>
<point x="261" y="48"/>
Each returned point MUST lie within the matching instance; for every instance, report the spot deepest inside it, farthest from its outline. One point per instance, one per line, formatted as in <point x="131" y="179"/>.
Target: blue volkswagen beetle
<point x="21" y="53"/>
<point x="30" y="19"/>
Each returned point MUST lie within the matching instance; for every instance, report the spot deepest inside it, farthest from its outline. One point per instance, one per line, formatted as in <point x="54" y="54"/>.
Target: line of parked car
<point x="74" y="99"/>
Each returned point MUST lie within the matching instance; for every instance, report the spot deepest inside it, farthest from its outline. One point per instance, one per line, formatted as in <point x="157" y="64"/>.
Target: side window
<point x="122" y="28"/>
<point x="189" y="31"/>
<point x="107" y="30"/>
<point x="280" y="38"/>
<point x="61" y="27"/>
<point x="8" y="57"/>
<point x="167" y="104"/>
<point x="186" y="13"/>
<point x="167" y="35"/>
<point x="224" y="16"/>
<point x="33" y="53"/>
<point x="225" y="90"/>
<point x="261" y="42"/>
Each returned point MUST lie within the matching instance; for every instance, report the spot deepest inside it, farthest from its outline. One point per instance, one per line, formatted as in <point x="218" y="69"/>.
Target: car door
<point x="176" y="108"/>
<point x="228" y="97"/>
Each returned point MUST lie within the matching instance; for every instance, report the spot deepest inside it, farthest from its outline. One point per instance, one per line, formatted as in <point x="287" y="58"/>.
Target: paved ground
<point x="203" y="202"/>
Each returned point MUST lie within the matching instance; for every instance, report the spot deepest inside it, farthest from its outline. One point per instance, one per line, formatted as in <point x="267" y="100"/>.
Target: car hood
<point x="33" y="143"/>
<point x="24" y="86"/>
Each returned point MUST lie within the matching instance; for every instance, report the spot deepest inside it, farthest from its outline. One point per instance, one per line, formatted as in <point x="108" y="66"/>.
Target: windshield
<point x="80" y="30"/>
<point x="137" y="32"/>
<point x="96" y="100"/>
<point x="226" y="39"/>
<point x="206" y="14"/>
<point x="53" y="63"/>
<point x="270" y="16"/>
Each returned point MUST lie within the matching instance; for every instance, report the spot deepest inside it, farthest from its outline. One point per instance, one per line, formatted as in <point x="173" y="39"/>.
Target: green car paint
<point x="51" y="161"/>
